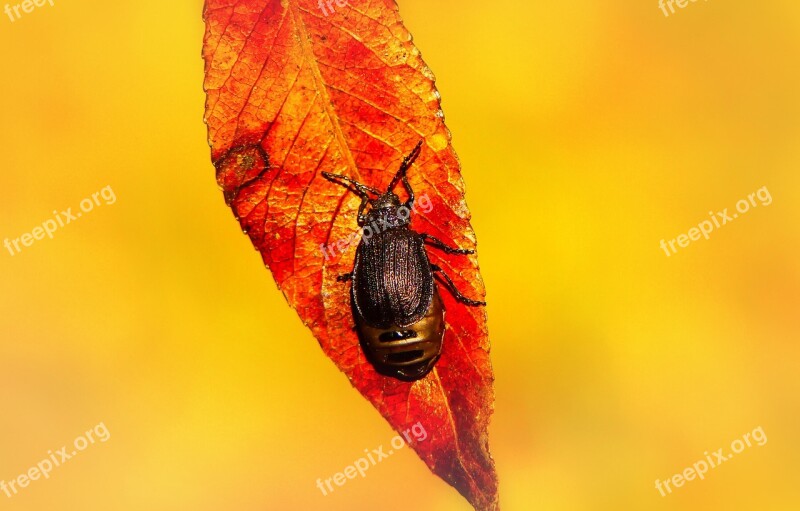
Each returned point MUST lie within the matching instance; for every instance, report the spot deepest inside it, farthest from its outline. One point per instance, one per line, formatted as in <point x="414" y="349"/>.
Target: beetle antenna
<point x="360" y="189"/>
<point x="407" y="161"/>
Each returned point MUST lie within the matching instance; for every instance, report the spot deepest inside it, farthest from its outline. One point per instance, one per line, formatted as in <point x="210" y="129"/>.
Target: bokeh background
<point x="588" y="131"/>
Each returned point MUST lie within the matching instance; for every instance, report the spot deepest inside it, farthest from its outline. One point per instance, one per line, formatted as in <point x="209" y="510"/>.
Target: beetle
<point x="395" y="300"/>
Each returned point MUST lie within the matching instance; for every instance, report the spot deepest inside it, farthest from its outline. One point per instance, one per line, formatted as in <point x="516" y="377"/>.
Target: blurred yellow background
<point x="587" y="131"/>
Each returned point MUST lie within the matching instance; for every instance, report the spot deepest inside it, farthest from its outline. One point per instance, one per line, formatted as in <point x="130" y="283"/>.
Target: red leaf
<point x="291" y="92"/>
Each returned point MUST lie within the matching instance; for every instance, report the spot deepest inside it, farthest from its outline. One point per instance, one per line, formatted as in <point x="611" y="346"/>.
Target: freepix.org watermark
<point x="373" y="457"/>
<point x="717" y="220"/>
<point x="368" y="231"/>
<point x="699" y="469"/>
<point x="329" y="3"/>
<point x="60" y="219"/>
<point x="54" y="460"/>
<point x="663" y="4"/>
<point x="26" y="6"/>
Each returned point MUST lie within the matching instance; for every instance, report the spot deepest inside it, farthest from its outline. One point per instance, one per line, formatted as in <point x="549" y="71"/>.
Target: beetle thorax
<point x="386" y="212"/>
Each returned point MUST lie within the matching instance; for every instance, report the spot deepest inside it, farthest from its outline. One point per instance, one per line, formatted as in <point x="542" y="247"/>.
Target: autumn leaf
<point x="293" y="91"/>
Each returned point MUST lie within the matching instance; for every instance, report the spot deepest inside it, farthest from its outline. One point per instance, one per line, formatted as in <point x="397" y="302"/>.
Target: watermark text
<point x="60" y="219"/>
<point x="55" y="460"/>
<point x="26" y="6"/>
<point x="415" y="433"/>
<point x="368" y="231"/>
<point x="716" y="220"/>
<point x="699" y="469"/>
<point x="663" y="5"/>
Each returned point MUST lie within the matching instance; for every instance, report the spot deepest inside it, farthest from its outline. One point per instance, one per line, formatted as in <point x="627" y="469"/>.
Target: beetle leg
<point x="360" y="190"/>
<point x="436" y="242"/>
<point x="401" y="173"/>
<point x="410" y="202"/>
<point x="361" y="219"/>
<point x="403" y="168"/>
<point x="453" y="289"/>
<point x="344" y="277"/>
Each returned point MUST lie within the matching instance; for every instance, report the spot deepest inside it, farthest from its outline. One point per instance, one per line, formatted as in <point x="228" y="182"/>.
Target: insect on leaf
<point x="292" y="92"/>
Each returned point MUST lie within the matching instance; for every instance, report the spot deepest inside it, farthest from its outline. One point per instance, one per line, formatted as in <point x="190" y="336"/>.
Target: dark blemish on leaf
<point x="246" y="161"/>
<point x="240" y="166"/>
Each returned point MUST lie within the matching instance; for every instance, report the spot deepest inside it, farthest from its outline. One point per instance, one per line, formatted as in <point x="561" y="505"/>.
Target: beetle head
<point x="386" y="209"/>
<point x="385" y="201"/>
